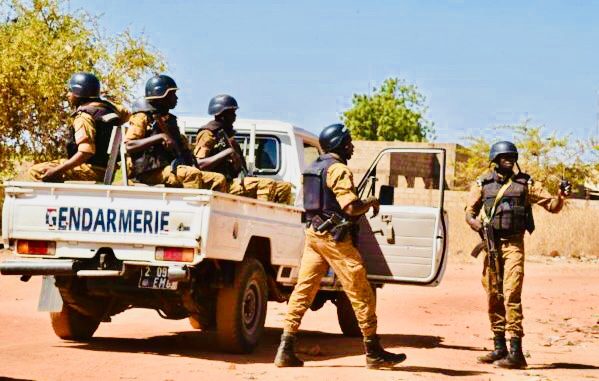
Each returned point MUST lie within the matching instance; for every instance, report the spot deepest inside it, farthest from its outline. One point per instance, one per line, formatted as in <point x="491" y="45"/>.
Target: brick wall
<point x="412" y="168"/>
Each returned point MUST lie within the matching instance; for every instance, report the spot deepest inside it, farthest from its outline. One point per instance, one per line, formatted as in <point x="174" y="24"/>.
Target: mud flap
<point x="50" y="298"/>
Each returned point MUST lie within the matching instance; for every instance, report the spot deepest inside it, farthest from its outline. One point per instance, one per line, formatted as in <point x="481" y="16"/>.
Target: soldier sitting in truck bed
<point x="89" y="135"/>
<point x="159" y="153"/>
<point x="217" y="150"/>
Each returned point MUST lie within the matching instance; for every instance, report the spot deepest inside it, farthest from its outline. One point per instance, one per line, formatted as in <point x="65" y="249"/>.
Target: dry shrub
<point x="571" y="233"/>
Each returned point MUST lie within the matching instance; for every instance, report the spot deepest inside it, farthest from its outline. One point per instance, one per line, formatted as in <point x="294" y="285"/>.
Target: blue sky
<point x="480" y="64"/>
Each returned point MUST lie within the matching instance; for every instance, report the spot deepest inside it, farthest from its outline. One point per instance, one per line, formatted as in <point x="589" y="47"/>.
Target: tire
<point x="346" y="316"/>
<point x="241" y="309"/>
<point x="70" y="324"/>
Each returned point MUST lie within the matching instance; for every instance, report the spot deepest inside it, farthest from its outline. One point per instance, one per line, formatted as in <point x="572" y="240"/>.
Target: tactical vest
<point x="98" y="111"/>
<point x="224" y="167"/>
<point x="319" y="199"/>
<point x="513" y="213"/>
<point x="158" y="156"/>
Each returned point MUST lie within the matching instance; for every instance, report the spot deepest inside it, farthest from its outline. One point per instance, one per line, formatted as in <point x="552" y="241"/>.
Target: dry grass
<point x="571" y="233"/>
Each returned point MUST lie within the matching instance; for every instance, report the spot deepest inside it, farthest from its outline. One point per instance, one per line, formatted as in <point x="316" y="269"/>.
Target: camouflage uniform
<point x="84" y="137"/>
<point x="256" y="187"/>
<point x="505" y="309"/>
<point x="322" y="251"/>
<point x="185" y="176"/>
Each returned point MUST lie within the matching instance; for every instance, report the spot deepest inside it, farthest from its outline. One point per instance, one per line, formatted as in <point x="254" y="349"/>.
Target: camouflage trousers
<point x="83" y="172"/>
<point x="260" y="188"/>
<point x="186" y="177"/>
<point x="282" y="193"/>
<point x="320" y="252"/>
<point x="505" y="306"/>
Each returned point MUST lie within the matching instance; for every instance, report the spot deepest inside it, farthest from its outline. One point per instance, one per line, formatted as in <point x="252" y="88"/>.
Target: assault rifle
<point x="223" y="139"/>
<point x="183" y="155"/>
<point x="489" y="244"/>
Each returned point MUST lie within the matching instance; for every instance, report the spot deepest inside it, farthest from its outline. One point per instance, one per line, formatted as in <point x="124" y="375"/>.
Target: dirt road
<point x="441" y="329"/>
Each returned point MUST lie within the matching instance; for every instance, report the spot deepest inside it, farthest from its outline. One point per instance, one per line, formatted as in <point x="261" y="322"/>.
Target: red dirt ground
<point x="441" y="329"/>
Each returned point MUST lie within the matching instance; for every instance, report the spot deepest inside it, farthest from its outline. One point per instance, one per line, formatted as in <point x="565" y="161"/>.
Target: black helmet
<point x="84" y="85"/>
<point x="159" y="85"/>
<point x="220" y="103"/>
<point x="500" y="148"/>
<point x="333" y="137"/>
<point x="141" y="104"/>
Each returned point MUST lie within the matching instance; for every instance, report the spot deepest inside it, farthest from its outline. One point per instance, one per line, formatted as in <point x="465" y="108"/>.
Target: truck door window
<point x="405" y="178"/>
<point x="267" y="152"/>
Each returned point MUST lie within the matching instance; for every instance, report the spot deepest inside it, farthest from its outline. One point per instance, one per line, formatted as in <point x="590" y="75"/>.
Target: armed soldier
<point x="89" y="135"/>
<point x="217" y="150"/>
<point x="159" y="153"/>
<point x="505" y="198"/>
<point x="332" y="206"/>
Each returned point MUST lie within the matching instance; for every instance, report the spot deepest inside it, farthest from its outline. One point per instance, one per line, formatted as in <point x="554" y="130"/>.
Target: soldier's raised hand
<point x="565" y="187"/>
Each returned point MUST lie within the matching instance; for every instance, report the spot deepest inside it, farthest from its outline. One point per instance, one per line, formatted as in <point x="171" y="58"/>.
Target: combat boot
<point x="286" y="353"/>
<point x="377" y="357"/>
<point x="515" y="360"/>
<point x="499" y="353"/>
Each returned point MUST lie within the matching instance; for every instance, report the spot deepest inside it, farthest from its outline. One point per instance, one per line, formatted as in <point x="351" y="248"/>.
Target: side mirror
<point x="386" y="195"/>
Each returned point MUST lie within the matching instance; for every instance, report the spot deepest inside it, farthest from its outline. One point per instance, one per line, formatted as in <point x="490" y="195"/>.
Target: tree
<point x="42" y="44"/>
<point x="394" y="112"/>
<point x="546" y="157"/>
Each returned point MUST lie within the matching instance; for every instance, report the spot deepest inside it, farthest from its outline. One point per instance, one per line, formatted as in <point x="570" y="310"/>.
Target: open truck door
<point x="407" y="241"/>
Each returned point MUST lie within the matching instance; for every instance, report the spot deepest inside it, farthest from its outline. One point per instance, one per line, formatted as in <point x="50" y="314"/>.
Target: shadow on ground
<point x="196" y="344"/>
<point x="563" y="365"/>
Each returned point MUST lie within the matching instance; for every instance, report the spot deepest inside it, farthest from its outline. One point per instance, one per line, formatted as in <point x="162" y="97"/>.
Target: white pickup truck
<point x="214" y="258"/>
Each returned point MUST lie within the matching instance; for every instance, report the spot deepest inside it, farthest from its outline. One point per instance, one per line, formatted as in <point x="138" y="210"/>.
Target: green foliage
<point x="547" y="158"/>
<point x="42" y="44"/>
<point x="393" y="112"/>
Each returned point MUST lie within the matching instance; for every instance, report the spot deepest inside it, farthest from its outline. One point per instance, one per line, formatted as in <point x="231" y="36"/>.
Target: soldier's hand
<point x="236" y="161"/>
<point x="565" y="188"/>
<point x="51" y="174"/>
<point x="375" y="204"/>
<point x="167" y="141"/>
<point x="475" y="224"/>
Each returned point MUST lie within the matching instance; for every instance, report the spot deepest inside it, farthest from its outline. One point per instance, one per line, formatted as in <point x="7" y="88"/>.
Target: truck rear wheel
<point x="241" y="309"/>
<point x="70" y="324"/>
<point x="346" y="316"/>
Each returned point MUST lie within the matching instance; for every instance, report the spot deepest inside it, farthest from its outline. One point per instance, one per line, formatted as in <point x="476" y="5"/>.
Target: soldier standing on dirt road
<point x="329" y="193"/>
<point x="505" y="198"/>
<point x="88" y="137"/>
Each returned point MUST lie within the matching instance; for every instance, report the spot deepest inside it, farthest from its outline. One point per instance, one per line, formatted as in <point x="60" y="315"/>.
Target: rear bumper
<point x="72" y="267"/>
<point x="39" y="267"/>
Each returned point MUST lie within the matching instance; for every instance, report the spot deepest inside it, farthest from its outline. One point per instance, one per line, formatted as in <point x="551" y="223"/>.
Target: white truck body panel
<point x="133" y="221"/>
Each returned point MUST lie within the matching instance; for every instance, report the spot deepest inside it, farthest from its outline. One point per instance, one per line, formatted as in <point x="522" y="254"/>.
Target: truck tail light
<point x="178" y="254"/>
<point x="30" y="247"/>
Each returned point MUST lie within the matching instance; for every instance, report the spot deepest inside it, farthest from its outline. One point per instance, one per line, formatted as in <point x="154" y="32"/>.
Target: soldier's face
<point x="171" y="99"/>
<point x="229" y="116"/>
<point x="71" y="98"/>
<point x="349" y="149"/>
<point x="506" y="162"/>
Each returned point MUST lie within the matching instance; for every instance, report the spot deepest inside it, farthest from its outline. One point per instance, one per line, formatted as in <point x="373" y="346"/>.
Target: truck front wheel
<point x="70" y="324"/>
<point x="241" y="309"/>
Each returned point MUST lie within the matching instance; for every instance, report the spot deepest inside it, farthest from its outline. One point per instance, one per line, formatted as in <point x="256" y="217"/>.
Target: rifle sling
<point x="488" y="217"/>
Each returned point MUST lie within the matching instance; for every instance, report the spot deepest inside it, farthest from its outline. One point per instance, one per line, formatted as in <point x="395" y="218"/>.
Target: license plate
<point x="156" y="277"/>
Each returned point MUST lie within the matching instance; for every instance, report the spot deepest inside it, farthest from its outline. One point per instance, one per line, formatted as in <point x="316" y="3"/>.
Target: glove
<point x="565" y="187"/>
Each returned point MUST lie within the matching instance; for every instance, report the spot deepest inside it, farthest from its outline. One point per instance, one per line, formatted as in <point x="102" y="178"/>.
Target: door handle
<point x="390" y="234"/>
